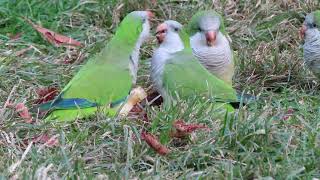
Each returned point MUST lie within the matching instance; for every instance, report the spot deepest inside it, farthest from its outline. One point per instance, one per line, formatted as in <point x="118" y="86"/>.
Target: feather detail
<point x="73" y="103"/>
<point x="311" y="50"/>
<point x="217" y="59"/>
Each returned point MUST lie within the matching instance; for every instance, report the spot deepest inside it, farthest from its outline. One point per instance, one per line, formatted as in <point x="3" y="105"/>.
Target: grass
<point x="277" y="137"/>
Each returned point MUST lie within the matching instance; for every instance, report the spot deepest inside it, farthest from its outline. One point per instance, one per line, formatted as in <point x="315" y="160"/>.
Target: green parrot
<point x="210" y="44"/>
<point x="311" y="48"/>
<point x="176" y="73"/>
<point x="105" y="81"/>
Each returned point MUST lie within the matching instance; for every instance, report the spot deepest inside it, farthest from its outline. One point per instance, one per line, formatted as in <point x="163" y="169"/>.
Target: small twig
<point x="154" y="99"/>
<point x="14" y="166"/>
<point x="13" y="90"/>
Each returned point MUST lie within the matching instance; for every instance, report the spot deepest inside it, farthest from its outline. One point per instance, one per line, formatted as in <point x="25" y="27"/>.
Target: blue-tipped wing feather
<point x="73" y="103"/>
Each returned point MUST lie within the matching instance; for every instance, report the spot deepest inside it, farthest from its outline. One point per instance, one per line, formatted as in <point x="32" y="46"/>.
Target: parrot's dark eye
<point x="161" y="32"/>
<point x="176" y="29"/>
<point x="314" y="25"/>
<point x="199" y="29"/>
<point x="143" y="20"/>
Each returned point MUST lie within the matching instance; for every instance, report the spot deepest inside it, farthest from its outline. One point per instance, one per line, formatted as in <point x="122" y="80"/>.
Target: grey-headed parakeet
<point x="210" y="44"/>
<point x="311" y="48"/>
<point x="175" y="72"/>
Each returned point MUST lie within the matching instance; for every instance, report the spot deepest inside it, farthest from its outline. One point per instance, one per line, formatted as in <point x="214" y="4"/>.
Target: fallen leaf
<point x="53" y="37"/>
<point x="181" y="129"/>
<point x="46" y="94"/>
<point x="46" y="140"/>
<point x="154" y="143"/>
<point x="23" y="112"/>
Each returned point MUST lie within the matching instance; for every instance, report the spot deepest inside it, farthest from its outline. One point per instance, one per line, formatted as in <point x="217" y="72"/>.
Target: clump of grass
<point x="276" y="137"/>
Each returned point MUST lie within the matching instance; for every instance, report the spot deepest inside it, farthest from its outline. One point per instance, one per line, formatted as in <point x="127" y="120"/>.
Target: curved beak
<point x="211" y="37"/>
<point x="160" y="32"/>
<point x="302" y="31"/>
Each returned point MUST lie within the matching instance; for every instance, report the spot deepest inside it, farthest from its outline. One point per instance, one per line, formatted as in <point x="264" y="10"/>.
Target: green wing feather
<point x="184" y="75"/>
<point x="106" y="77"/>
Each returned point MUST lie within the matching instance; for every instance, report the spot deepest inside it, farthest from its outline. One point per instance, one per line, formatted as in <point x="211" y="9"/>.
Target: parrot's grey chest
<point x="311" y="53"/>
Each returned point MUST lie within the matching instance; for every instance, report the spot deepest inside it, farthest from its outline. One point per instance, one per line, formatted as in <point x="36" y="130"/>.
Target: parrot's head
<point x="311" y="22"/>
<point x="168" y="27"/>
<point x="168" y="35"/>
<point x="136" y="26"/>
<point x="206" y="25"/>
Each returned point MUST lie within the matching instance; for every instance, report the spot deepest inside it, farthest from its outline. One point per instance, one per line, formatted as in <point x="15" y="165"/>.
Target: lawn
<point x="276" y="137"/>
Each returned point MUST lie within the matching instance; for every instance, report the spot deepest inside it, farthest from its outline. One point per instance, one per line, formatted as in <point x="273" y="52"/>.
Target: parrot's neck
<point x="311" y="47"/>
<point x="168" y="47"/>
<point x="134" y="57"/>
<point x="214" y="58"/>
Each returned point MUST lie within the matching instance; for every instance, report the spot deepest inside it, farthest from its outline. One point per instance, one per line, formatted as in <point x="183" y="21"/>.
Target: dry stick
<point x="8" y="101"/>
<point x="14" y="166"/>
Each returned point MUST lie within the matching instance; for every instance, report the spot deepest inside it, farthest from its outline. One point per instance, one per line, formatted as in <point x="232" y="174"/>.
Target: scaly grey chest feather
<point x="311" y="51"/>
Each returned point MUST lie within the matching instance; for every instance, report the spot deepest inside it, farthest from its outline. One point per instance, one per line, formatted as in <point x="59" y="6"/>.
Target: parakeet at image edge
<point x="311" y="47"/>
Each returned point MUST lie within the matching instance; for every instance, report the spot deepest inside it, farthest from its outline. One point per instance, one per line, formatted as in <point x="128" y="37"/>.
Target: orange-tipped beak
<point x="302" y="31"/>
<point x="161" y="32"/>
<point x="211" y="37"/>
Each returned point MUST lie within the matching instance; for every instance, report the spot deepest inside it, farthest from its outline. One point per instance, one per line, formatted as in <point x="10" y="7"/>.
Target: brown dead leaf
<point x="46" y="94"/>
<point x="46" y="140"/>
<point x="53" y="37"/>
<point x="23" y="112"/>
<point x="154" y="143"/>
<point x="181" y="129"/>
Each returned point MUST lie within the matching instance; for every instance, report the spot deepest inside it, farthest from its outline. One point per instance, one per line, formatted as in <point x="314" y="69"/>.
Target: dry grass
<point x="277" y="137"/>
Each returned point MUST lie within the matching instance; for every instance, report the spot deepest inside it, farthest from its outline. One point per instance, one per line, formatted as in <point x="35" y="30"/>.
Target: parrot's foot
<point x="136" y="96"/>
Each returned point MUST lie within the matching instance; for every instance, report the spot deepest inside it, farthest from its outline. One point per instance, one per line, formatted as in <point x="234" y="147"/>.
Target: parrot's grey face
<point x="308" y="24"/>
<point x="309" y="21"/>
<point x="209" y="23"/>
<point x="168" y="26"/>
<point x="209" y="27"/>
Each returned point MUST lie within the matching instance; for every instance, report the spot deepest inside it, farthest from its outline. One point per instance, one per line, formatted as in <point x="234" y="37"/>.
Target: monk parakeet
<point x="311" y="48"/>
<point x="175" y="72"/>
<point x="105" y="81"/>
<point x="210" y="44"/>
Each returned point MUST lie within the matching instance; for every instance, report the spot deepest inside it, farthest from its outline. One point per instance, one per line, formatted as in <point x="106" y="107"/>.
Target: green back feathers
<point x="186" y="76"/>
<point x="193" y="27"/>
